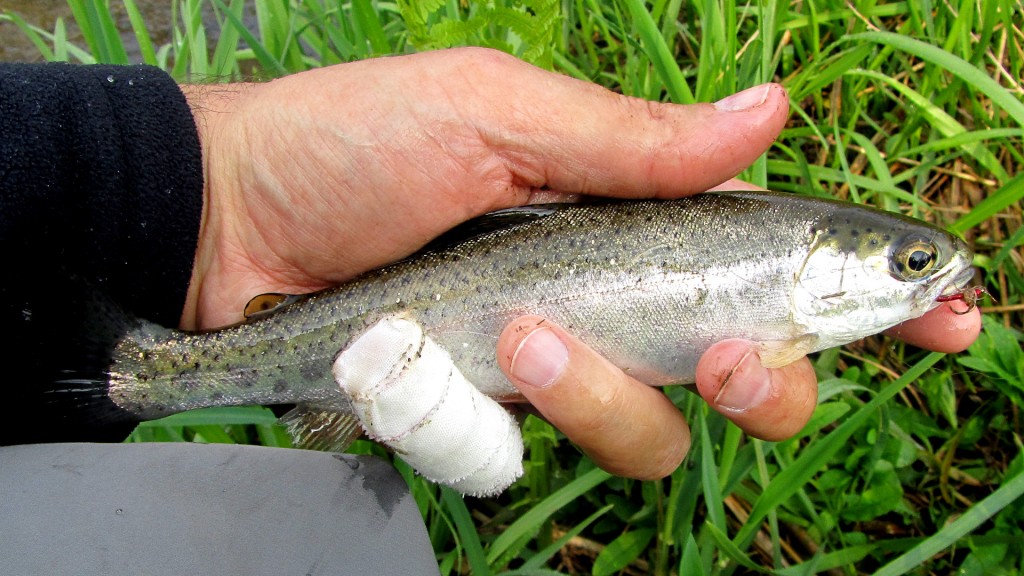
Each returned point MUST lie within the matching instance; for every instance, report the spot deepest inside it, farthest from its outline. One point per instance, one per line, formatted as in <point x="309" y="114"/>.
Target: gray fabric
<point x="205" y="509"/>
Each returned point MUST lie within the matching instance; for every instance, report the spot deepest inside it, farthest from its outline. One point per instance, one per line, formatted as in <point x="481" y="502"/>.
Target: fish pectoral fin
<point x="779" y="353"/>
<point x="327" y="427"/>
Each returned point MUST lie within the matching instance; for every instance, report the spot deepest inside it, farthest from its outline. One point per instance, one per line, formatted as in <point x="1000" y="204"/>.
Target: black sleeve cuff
<point x="101" y="176"/>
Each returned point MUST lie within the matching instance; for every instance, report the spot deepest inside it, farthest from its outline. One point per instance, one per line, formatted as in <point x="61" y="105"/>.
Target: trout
<point x="648" y="284"/>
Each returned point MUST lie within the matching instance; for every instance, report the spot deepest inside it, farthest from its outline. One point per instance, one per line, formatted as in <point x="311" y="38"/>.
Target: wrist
<point x="210" y="106"/>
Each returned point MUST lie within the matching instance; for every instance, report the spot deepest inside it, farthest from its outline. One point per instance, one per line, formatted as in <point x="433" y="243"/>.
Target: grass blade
<point x="622" y="551"/>
<point x="974" y="77"/>
<point x="1010" y="194"/>
<point x="538" y="514"/>
<point x="141" y="33"/>
<point x="537" y="560"/>
<point x="456" y="507"/>
<point x="939" y="119"/>
<point x="729" y="549"/>
<point x="710" y="476"/>
<point x="369" y="23"/>
<point x="657" y="50"/>
<point x="947" y="536"/>
<point x="270" y="63"/>
<point x="793" y="478"/>
<point x="30" y="32"/>
<point x="224" y="415"/>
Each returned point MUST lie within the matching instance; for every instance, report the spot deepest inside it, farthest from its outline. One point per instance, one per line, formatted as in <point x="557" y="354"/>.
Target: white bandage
<point x="410" y="396"/>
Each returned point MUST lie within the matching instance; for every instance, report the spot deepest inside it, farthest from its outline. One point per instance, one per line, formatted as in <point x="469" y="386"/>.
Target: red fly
<point x="969" y="295"/>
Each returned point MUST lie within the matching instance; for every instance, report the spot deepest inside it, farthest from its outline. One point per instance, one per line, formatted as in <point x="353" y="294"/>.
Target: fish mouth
<point x="958" y="284"/>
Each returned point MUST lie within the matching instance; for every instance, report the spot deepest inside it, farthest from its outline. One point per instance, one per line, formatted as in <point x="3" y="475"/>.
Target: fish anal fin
<point x="323" y="427"/>
<point x="779" y="353"/>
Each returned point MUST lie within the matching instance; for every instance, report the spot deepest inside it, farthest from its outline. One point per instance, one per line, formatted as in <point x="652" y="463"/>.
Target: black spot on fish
<point x="186" y="384"/>
<point x="854" y="233"/>
<point x="310" y="371"/>
<point x="280" y="386"/>
<point x="217" y="396"/>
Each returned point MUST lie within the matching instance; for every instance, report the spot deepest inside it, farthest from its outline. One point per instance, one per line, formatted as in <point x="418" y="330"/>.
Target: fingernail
<point x="540" y="359"/>
<point x="746" y="386"/>
<point x="744" y="100"/>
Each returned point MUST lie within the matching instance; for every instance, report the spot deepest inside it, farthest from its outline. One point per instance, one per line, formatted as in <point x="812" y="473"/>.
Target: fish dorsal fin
<point x="327" y="427"/>
<point x="264" y="305"/>
<point x="492" y="222"/>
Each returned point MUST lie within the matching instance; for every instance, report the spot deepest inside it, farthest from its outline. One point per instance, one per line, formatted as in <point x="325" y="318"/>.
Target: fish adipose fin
<point x="323" y="426"/>
<point x="410" y="396"/>
<point x="779" y="353"/>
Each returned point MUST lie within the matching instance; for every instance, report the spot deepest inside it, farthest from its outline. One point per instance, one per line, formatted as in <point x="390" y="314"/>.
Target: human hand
<point x="631" y="429"/>
<point x="315" y="178"/>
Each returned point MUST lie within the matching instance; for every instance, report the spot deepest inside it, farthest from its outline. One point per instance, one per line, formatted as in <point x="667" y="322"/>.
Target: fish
<point x="649" y="284"/>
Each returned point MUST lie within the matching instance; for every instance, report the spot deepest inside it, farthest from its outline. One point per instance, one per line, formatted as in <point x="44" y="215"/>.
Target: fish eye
<point x="914" y="259"/>
<point x="919" y="260"/>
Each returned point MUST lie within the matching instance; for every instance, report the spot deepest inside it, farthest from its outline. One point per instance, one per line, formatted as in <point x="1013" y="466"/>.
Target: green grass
<point x="912" y="462"/>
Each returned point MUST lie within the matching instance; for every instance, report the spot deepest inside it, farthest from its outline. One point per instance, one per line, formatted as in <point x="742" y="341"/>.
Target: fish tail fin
<point x="58" y="377"/>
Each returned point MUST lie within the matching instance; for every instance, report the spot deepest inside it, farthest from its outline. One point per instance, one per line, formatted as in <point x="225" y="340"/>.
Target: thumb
<point x="767" y="403"/>
<point x="626" y="427"/>
<point x="586" y="139"/>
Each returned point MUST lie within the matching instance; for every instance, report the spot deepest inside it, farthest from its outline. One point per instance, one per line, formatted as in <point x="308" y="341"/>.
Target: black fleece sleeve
<point x="101" y="191"/>
<point x="100" y="172"/>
